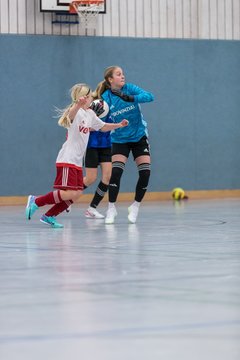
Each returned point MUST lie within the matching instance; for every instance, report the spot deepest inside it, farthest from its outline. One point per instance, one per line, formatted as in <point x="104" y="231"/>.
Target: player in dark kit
<point x="98" y="154"/>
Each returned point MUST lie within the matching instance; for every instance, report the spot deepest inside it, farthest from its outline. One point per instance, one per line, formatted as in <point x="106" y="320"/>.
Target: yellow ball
<point x="178" y="194"/>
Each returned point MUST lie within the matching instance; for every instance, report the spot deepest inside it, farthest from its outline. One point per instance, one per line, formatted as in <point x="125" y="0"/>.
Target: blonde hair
<point x="77" y="91"/>
<point x="105" y="84"/>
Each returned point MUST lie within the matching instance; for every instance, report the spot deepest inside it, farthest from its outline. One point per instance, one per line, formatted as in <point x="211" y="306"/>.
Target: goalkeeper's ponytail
<point x="105" y="84"/>
<point x="102" y="86"/>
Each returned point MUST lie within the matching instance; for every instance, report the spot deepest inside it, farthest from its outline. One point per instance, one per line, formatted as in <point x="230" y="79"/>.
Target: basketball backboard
<point x="60" y="6"/>
<point x="52" y="6"/>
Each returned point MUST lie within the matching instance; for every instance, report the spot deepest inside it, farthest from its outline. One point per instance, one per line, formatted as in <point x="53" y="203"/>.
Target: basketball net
<point x="87" y="11"/>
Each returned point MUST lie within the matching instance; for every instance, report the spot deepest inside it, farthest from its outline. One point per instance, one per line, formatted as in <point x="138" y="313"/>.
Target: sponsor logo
<point x="126" y="109"/>
<point x="83" y="129"/>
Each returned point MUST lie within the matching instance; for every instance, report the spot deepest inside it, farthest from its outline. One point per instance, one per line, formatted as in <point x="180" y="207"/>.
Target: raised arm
<point x="76" y="106"/>
<point x="140" y="95"/>
<point x="133" y="93"/>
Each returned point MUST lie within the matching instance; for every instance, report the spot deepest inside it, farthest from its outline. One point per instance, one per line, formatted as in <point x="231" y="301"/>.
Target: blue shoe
<point x="31" y="207"/>
<point x="50" y="220"/>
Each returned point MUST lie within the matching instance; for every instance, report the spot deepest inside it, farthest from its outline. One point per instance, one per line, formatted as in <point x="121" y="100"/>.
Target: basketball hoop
<point x="87" y="11"/>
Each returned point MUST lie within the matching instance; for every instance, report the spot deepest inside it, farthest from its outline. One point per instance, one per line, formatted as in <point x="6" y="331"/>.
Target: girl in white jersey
<point x="68" y="185"/>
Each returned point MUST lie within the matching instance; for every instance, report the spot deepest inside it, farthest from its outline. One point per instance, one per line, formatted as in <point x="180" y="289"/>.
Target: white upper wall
<point x="183" y="19"/>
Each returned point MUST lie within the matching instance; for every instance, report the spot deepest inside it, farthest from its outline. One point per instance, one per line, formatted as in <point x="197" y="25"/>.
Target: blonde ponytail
<point x="64" y="119"/>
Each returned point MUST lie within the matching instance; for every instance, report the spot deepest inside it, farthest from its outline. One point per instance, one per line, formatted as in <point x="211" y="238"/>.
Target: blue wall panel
<point x="194" y="123"/>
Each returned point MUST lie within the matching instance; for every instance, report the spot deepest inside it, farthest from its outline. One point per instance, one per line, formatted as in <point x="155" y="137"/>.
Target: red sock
<point x="53" y="197"/>
<point x="58" y="208"/>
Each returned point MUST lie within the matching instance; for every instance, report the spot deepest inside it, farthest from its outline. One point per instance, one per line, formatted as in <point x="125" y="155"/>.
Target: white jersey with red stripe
<point x="73" y="150"/>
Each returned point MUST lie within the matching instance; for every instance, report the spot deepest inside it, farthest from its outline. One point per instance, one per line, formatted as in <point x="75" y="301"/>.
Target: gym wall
<point x="194" y="126"/>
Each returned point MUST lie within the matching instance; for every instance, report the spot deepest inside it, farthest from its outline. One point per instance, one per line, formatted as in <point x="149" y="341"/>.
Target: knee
<point x="90" y="179"/>
<point x="75" y="195"/>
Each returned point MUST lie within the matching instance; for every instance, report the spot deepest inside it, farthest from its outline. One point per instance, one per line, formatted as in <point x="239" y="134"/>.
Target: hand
<point x="124" y="122"/>
<point x="81" y="101"/>
<point x="125" y="97"/>
<point x="97" y="108"/>
<point x="77" y="104"/>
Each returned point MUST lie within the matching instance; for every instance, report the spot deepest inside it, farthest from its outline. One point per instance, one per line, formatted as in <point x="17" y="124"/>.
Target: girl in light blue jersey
<point x="124" y="101"/>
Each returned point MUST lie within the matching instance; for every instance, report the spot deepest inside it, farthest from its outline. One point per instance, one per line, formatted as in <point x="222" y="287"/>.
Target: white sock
<point x="111" y="205"/>
<point x="136" y="203"/>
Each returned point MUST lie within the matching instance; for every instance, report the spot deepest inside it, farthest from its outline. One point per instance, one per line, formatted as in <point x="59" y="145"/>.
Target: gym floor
<point x="165" y="288"/>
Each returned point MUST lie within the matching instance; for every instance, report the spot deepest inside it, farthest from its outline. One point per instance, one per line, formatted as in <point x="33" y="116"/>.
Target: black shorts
<point x="138" y="148"/>
<point x="95" y="156"/>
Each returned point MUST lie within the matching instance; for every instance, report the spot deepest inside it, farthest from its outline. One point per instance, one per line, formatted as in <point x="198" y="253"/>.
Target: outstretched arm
<point x="111" y="126"/>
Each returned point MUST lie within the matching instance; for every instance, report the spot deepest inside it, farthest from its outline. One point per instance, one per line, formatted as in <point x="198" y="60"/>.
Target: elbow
<point x="151" y="97"/>
<point x="148" y="98"/>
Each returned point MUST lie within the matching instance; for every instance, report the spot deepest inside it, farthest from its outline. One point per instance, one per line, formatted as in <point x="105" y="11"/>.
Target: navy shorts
<point x="95" y="156"/>
<point x="138" y="148"/>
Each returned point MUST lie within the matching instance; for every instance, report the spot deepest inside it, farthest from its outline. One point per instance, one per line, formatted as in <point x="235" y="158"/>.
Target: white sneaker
<point x="133" y="213"/>
<point x="110" y="215"/>
<point x="92" y="213"/>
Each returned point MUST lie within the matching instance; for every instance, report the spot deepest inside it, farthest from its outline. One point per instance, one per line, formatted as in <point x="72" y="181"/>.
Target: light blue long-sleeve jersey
<point x="120" y="109"/>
